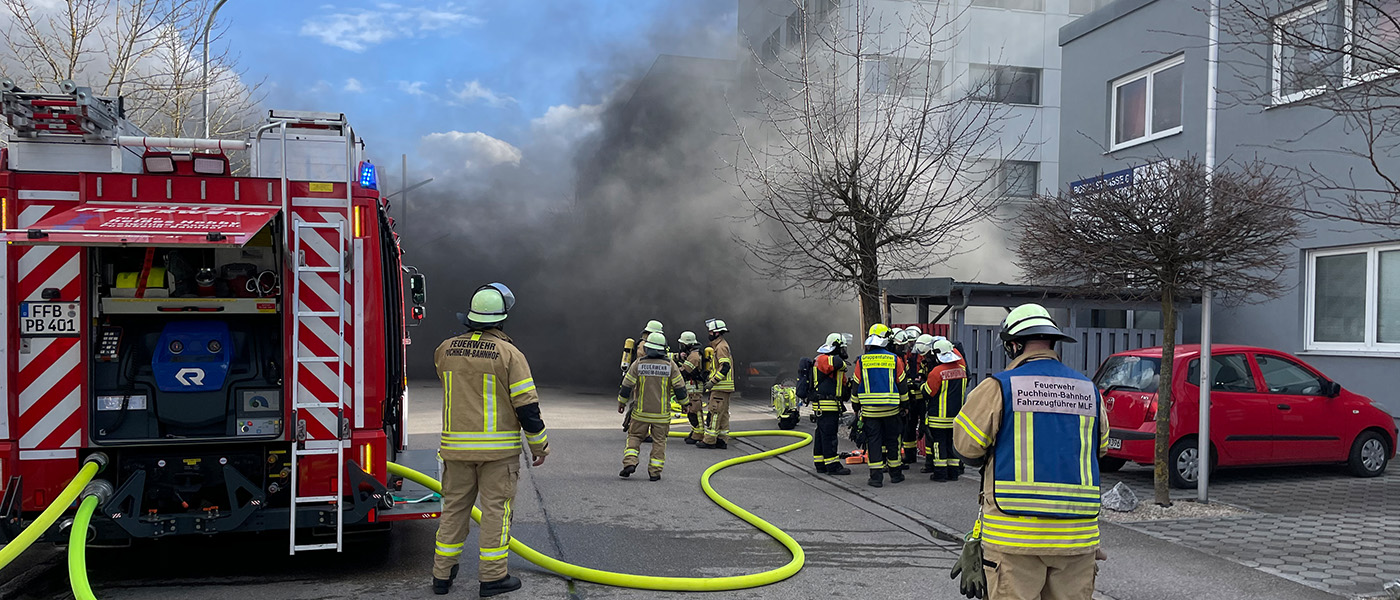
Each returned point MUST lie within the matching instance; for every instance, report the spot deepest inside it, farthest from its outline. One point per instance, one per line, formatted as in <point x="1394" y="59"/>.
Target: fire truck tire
<point x="672" y="584"/>
<point x="91" y="466"/>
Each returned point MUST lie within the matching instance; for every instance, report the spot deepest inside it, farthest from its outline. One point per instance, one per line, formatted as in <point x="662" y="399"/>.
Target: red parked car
<point x="1267" y="408"/>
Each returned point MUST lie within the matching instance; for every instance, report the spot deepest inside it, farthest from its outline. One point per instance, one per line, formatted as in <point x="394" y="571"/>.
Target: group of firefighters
<point x="652" y="377"/>
<point x="1036" y="430"/>
<point x="906" y="384"/>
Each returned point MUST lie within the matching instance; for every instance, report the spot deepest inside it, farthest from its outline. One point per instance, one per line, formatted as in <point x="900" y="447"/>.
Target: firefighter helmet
<point x="716" y="326"/>
<point x="688" y="338"/>
<point x="946" y="353"/>
<point x="876" y="341"/>
<point x="879" y="329"/>
<point x="655" y="341"/>
<point x="900" y="338"/>
<point x="654" y="326"/>
<point x="923" y="344"/>
<point x="490" y="304"/>
<point x="1031" y="321"/>
<point x="913" y="332"/>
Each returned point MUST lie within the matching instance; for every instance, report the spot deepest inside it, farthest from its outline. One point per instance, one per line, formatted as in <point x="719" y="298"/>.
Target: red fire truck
<point x="233" y="345"/>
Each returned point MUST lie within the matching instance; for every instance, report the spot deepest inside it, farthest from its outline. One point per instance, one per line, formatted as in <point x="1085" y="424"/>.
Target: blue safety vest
<point x="1047" y="446"/>
<point x="878" y="389"/>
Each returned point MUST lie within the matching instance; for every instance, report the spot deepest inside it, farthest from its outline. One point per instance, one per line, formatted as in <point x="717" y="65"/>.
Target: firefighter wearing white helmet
<point x="692" y="364"/>
<point x="721" y="385"/>
<point x="1037" y="429"/>
<point x="878" y="387"/>
<point x="648" y="387"/>
<point x="830" y="386"/>
<point x="490" y="398"/>
<point x="946" y="385"/>
<point x="631" y="350"/>
<point x="913" y="416"/>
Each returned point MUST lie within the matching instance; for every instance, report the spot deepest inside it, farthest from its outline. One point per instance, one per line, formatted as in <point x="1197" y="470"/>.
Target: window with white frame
<point x="1147" y="104"/>
<point x="1009" y="85"/>
<point x="900" y="76"/>
<point x="1018" y="178"/>
<point x="1333" y="42"/>
<point x="1353" y="299"/>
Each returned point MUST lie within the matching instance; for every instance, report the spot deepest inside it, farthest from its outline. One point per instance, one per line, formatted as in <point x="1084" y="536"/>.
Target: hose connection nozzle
<point x="101" y="488"/>
<point x="99" y="458"/>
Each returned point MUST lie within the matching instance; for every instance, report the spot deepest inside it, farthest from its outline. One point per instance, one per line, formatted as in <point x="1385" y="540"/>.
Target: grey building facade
<point x="1135" y="91"/>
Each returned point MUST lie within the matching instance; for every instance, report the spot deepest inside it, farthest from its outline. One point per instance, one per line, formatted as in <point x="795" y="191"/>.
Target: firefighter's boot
<point x="441" y="586"/>
<point x="690" y="441"/>
<point x="627" y="471"/>
<point x="939" y="474"/>
<point x="837" y="469"/>
<point x="509" y="583"/>
<point x="953" y="473"/>
<point x="896" y="475"/>
<point x="821" y="467"/>
<point x="928" y="464"/>
<point x="720" y="443"/>
<point x="877" y="479"/>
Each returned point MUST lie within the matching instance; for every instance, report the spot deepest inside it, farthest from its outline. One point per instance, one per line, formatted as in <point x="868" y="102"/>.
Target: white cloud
<point x="353" y="85"/>
<point x="563" y="124"/>
<point x="474" y="151"/>
<point x="358" y="29"/>
<point x="473" y="91"/>
<point x="415" y="88"/>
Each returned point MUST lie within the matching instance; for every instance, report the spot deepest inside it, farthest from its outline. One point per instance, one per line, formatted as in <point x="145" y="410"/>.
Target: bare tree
<point x="148" y="51"/>
<point x="1339" y="56"/>
<point x="1176" y="231"/>
<point x="860" y="159"/>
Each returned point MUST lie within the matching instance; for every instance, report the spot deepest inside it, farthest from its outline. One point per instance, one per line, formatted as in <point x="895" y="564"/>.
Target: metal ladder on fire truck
<point x="316" y="441"/>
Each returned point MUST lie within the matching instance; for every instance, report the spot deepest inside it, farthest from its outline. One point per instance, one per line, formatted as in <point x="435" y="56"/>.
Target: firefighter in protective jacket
<point x="649" y="385"/>
<point x="631" y="351"/>
<point x="945" y="388"/>
<point x="914" y="372"/>
<point x="489" y="399"/>
<point x="721" y="384"/>
<point x="692" y="364"/>
<point x="878" y="386"/>
<point x="1039" y="427"/>
<point x="829" y="388"/>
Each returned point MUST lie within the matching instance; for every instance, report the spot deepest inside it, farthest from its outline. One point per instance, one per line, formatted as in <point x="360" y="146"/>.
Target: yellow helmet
<point x="879" y="329"/>
<point x="655" y="341"/>
<point x="490" y="304"/>
<point x="1031" y="321"/>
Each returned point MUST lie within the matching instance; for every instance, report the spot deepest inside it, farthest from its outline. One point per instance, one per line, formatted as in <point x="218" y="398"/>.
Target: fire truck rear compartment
<point x="175" y="369"/>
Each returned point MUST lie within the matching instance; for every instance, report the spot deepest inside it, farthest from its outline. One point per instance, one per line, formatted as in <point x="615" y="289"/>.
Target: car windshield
<point x="1132" y="373"/>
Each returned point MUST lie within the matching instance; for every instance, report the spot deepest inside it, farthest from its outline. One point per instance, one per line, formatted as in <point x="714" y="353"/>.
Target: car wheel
<point x="1183" y="463"/>
<point x="1369" y="455"/>
<point x="1109" y="464"/>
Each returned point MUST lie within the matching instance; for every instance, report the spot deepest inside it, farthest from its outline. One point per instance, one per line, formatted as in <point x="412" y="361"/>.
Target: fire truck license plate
<point x="48" y="319"/>
<point x="1115" y="444"/>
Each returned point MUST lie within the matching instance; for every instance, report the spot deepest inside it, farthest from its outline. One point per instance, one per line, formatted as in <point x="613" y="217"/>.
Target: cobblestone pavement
<point x="1318" y="526"/>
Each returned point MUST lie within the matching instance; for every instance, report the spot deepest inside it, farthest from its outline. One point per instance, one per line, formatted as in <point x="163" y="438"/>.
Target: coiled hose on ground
<point x="670" y="584"/>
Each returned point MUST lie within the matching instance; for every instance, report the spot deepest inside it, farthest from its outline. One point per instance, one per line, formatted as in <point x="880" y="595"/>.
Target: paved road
<point x="887" y="543"/>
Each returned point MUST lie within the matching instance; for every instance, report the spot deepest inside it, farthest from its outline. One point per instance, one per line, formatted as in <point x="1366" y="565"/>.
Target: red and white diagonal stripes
<point x="50" y="377"/>
<point x="319" y="336"/>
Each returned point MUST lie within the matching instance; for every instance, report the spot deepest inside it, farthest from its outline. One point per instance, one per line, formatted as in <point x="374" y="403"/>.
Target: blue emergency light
<point x="368" y="179"/>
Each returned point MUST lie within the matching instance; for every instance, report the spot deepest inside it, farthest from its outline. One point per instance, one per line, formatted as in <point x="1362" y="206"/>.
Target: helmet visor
<point x="507" y="298"/>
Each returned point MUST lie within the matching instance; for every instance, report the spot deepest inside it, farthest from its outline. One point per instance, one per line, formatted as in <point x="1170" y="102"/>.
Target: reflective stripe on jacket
<point x="946" y="386"/>
<point x="876" y="378"/>
<point x="484" y="379"/>
<point x="653" y="382"/>
<point x="829" y="381"/>
<point x="723" y="382"/>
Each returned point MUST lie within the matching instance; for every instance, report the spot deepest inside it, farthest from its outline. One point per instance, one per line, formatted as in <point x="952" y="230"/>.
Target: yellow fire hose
<point x="77" y="549"/>
<point x="670" y="584"/>
<point x="91" y="467"/>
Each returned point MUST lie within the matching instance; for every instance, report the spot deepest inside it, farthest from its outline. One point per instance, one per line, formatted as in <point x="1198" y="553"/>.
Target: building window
<point x="1036" y="5"/>
<point x="1353" y="299"/>
<point x="899" y="76"/>
<point x="1009" y="85"/>
<point x="1084" y="7"/>
<point x="1018" y="178"/>
<point x="1314" y="48"/>
<point x="771" y="46"/>
<point x="1147" y="104"/>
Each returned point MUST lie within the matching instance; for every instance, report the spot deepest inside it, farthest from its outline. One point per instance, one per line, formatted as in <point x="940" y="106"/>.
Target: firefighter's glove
<point x="969" y="570"/>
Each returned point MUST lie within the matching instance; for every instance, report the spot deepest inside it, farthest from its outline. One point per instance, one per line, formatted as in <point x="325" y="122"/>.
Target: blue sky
<point x="406" y="70"/>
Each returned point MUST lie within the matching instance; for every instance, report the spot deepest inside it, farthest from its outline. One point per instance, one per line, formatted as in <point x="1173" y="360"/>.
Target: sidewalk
<point x="1140" y="566"/>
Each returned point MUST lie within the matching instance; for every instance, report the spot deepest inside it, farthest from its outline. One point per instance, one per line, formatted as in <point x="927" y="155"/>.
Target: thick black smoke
<point x="641" y="228"/>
